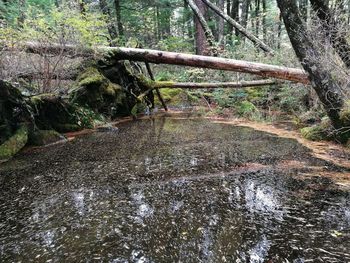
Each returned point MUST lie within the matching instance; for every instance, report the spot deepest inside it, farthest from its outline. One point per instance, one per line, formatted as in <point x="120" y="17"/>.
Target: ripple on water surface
<point x="171" y="190"/>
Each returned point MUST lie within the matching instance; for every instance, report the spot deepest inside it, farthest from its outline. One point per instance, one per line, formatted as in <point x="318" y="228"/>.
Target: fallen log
<point x="181" y="59"/>
<point x="172" y="58"/>
<point x="240" y="28"/>
<point x="206" y="85"/>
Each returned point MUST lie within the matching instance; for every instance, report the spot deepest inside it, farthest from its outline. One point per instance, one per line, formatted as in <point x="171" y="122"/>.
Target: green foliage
<point x="56" y="25"/>
<point x="246" y="108"/>
<point x="176" y="44"/>
<point x="314" y="133"/>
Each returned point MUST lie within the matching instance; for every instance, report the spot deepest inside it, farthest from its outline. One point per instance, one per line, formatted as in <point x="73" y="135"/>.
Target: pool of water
<point x="172" y="190"/>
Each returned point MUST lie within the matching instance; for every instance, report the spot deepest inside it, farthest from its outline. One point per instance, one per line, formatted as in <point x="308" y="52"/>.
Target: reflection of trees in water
<point x="200" y="220"/>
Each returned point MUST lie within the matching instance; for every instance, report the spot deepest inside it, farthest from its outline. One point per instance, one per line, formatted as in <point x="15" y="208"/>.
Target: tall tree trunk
<point x="257" y="17"/>
<point x="245" y="12"/>
<point x="331" y="26"/>
<point x="203" y="32"/>
<point x="164" y="15"/>
<point x="264" y="24"/>
<point x="240" y="28"/>
<point x="188" y="20"/>
<point x="119" y="17"/>
<point x="220" y="24"/>
<point x="279" y="32"/>
<point x="110" y="25"/>
<point x="235" y="13"/>
<point x="326" y="87"/>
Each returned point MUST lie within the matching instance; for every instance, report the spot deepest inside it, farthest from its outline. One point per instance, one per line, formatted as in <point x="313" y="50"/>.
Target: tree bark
<point x="240" y="28"/>
<point x="221" y="85"/>
<point x="119" y="18"/>
<point x="220" y="24"/>
<point x="202" y="26"/>
<point x="264" y="24"/>
<point x="244" y="16"/>
<point x="162" y="57"/>
<point x="257" y="17"/>
<point x="330" y="24"/>
<point x="303" y="4"/>
<point x="326" y="87"/>
<point x="234" y="14"/>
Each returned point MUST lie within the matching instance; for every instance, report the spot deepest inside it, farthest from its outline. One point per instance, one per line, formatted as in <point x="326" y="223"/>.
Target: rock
<point x="45" y="137"/>
<point x="14" y="144"/>
<point x="13" y="111"/>
<point x="98" y="93"/>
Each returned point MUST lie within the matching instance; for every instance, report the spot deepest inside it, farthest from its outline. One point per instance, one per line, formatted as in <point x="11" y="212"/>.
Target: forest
<point x="311" y="36"/>
<point x="175" y="131"/>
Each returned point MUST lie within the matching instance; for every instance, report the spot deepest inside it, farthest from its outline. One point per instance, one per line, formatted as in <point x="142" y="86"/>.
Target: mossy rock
<point x="44" y="137"/>
<point x="13" y="111"/>
<point x="97" y="92"/>
<point x="14" y="144"/>
<point x="314" y="133"/>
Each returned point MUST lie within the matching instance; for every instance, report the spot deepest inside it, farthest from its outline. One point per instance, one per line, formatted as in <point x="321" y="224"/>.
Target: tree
<point x="203" y="34"/>
<point x="239" y="28"/>
<point x="326" y="86"/>
<point x="118" y="16"/>
<point x="220" y="23"/>
<point x="164" y="12"/>
<point x="332" y="27"/>
<point x="110" y="25"/>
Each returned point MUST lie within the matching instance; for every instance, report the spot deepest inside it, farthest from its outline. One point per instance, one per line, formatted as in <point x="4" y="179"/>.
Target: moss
<point x="91" y="77"/>
<point x="14" y="144"/>
<point x="98" y="93"/>
<point x="37" y="99"/>
<point x="44" y="137"/>
<point x="345" y="115"/>
<point x="314" y="133"/>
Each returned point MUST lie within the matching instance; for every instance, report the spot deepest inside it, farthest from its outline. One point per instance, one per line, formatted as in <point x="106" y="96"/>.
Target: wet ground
<point x="173" y="190"/>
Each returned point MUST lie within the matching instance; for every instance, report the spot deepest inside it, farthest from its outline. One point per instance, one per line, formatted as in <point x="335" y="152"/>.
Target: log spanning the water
<point x="206" y="85"/>
<point x="181" y="59"/>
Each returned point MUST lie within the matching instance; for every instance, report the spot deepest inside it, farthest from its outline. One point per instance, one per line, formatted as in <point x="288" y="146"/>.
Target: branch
<point x="240" y="28"/>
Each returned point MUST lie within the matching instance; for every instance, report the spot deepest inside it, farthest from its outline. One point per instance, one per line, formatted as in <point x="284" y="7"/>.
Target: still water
<point x="172" y="190"/>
